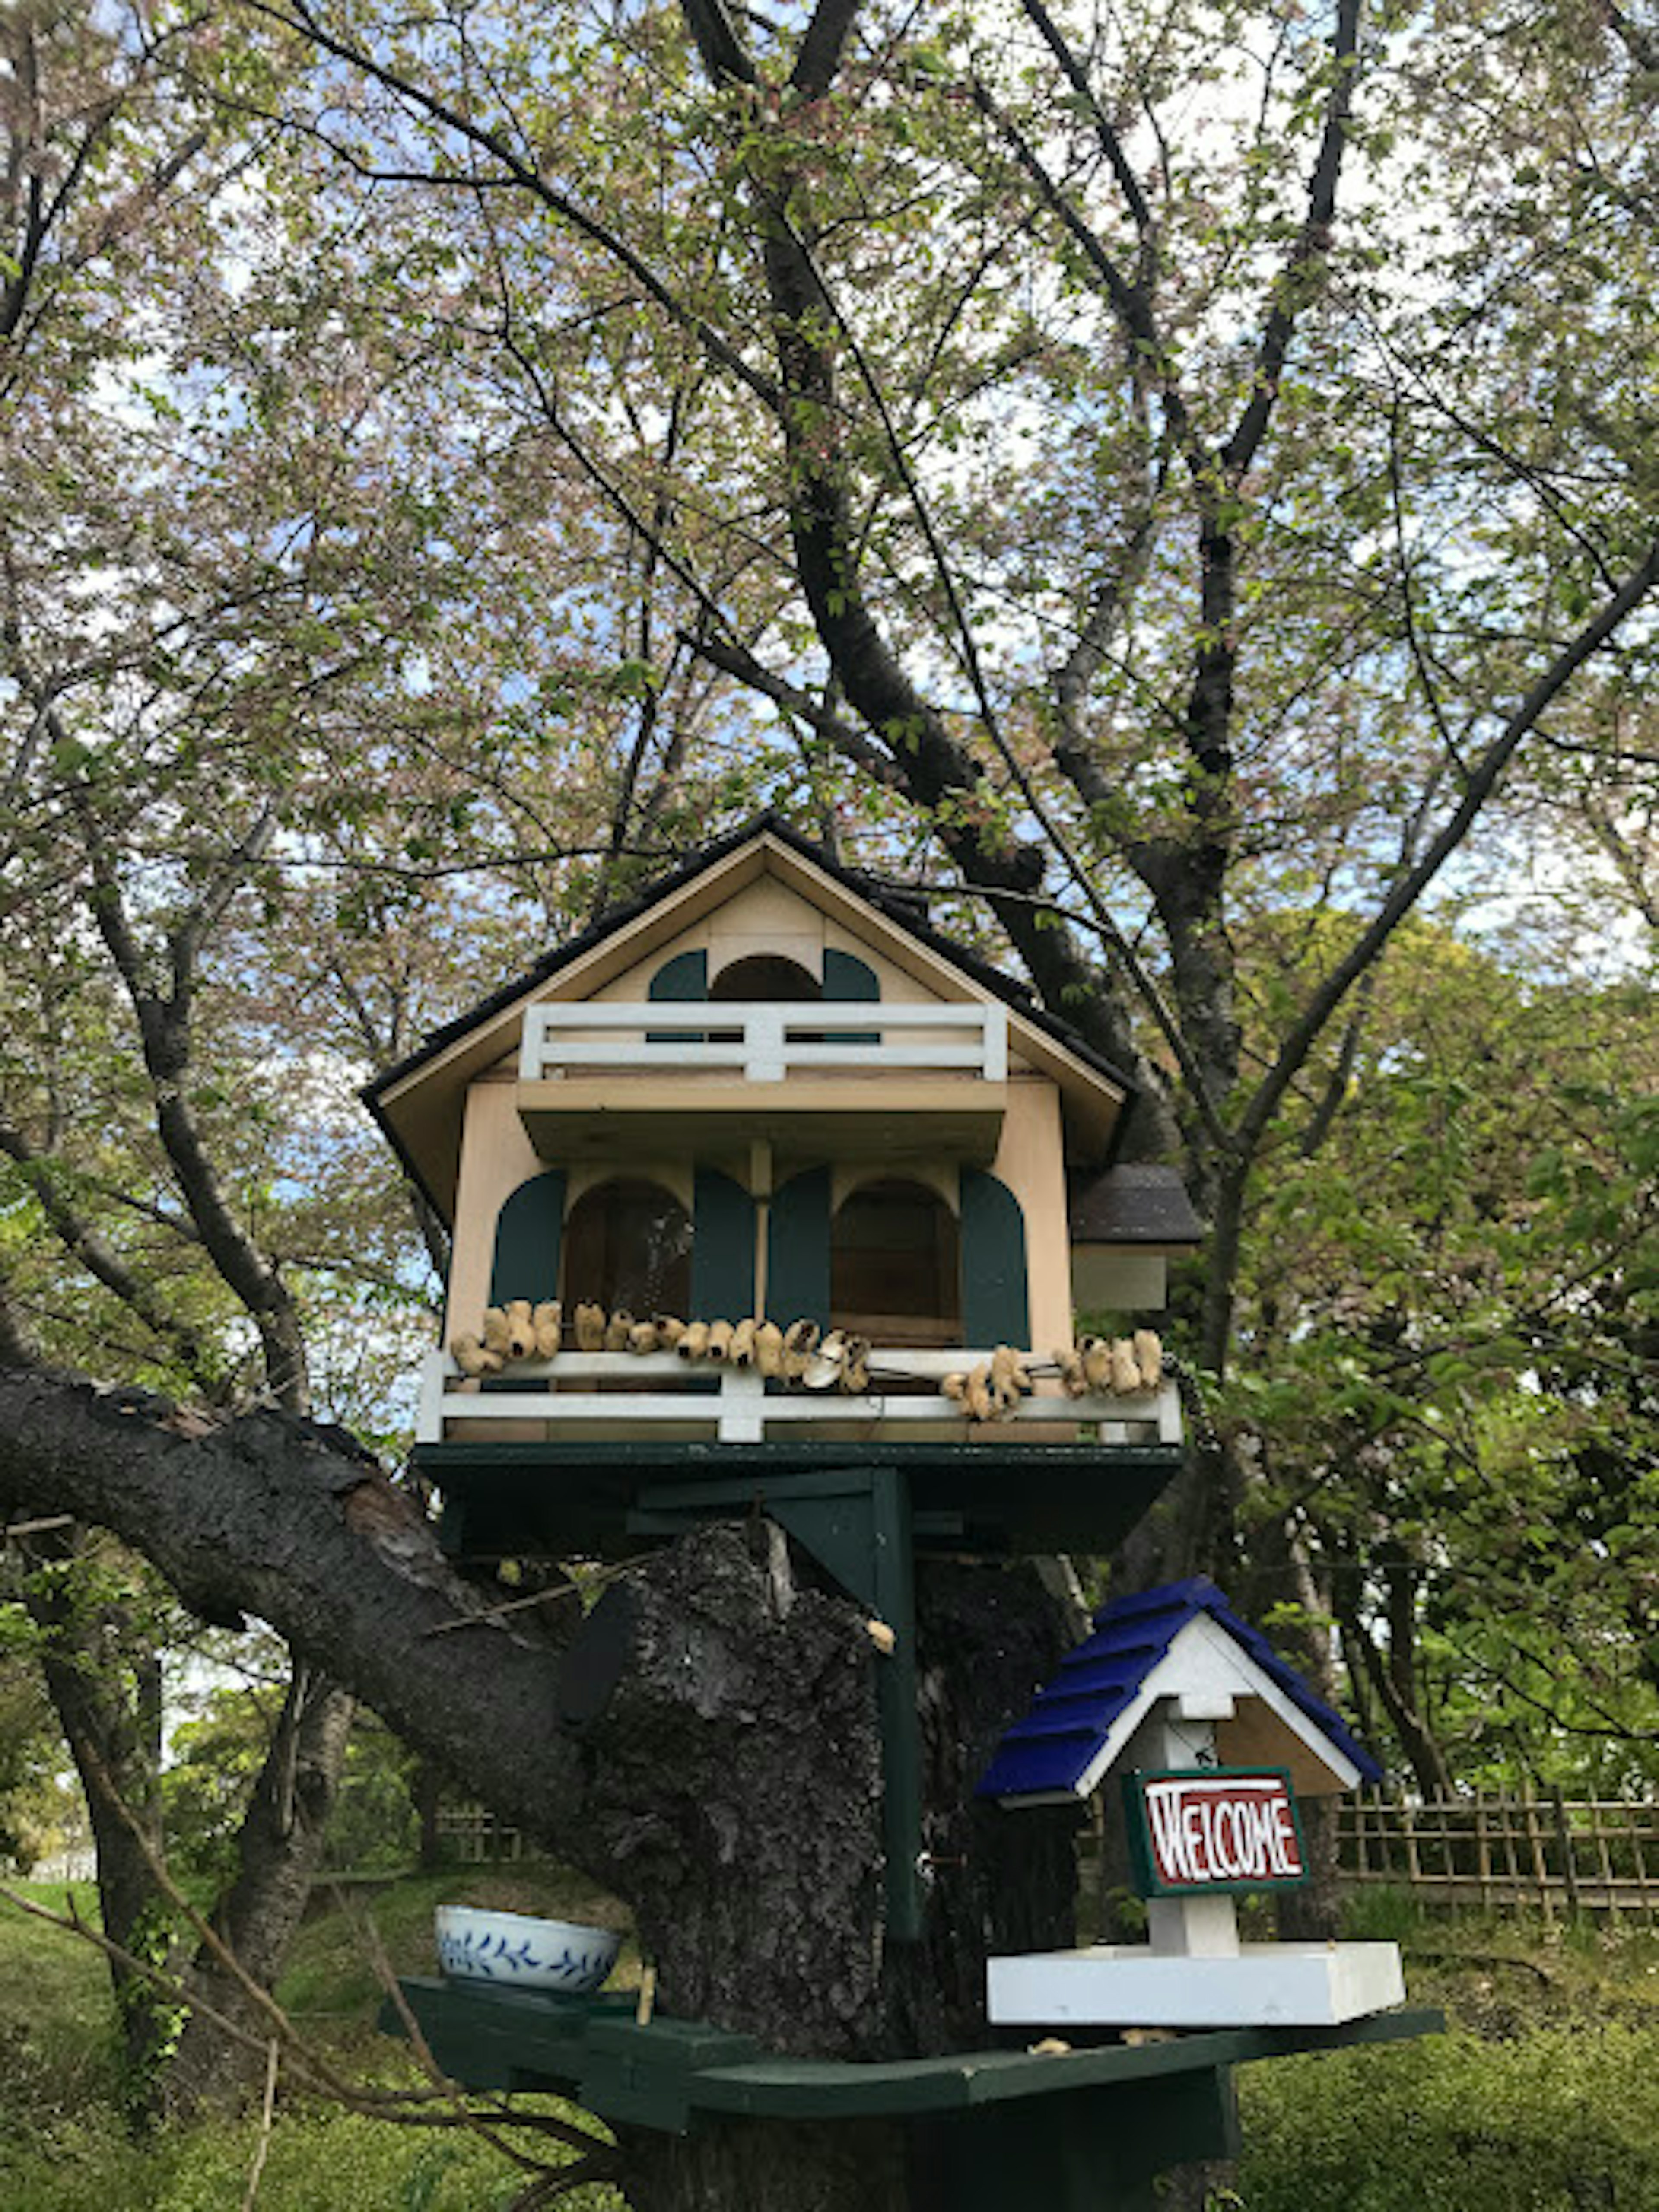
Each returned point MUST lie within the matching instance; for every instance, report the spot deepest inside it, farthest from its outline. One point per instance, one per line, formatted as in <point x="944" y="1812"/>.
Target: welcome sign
<point x="1213" y="1828"/>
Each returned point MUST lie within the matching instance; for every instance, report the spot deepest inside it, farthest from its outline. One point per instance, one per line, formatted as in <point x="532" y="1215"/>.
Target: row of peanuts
<point x="1123" y="1367"/>
<point x="521" y="1331"/>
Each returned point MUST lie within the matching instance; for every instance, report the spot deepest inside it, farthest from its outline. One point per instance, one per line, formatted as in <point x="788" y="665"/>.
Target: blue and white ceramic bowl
<point x="517" y="1952"/>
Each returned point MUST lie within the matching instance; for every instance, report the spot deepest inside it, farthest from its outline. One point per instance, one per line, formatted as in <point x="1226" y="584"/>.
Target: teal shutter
<point x="722" y="1249"/>
<point x="847" y="980"/>
<point x="684" y="981"/>
<point x="797" y="1251"/>
<point x="996" y="1304"/>
<point x="527" y="1233"/>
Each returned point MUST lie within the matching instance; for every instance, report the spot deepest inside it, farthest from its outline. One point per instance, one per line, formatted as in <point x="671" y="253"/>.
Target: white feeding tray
<point x="522" y="1952"/>
<point x="1131" y="1986"/>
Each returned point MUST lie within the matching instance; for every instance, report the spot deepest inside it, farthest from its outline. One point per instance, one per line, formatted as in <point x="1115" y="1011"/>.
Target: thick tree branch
<point x="267" y="1516"/>
<point x="1303" y="270"/>
<point x="823" y="46"/>
<point x="166" y="1034"/>
<point x="1111" y="145"/>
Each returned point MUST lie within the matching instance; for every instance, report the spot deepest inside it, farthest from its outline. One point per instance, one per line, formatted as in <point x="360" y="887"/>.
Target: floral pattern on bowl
<point x="476" y="1945"/>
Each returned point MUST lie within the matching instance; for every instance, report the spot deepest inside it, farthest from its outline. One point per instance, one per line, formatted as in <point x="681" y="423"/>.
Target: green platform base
<point x="601" y="1500"/>
<point x="1086" y="2130"/>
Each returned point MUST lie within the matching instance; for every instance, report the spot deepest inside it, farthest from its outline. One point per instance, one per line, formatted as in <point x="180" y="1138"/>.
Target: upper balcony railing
<point x="763" y="1043"/>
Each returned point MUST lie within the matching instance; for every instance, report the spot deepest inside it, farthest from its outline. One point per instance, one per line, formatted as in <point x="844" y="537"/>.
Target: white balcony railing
<point x="763" y="1042"/>
<point x="736" y="1405"/>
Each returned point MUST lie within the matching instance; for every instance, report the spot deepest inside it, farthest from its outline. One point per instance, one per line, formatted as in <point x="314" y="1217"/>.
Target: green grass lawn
<point x="1542" y="2098"/>
<point x="62" y="2148"/>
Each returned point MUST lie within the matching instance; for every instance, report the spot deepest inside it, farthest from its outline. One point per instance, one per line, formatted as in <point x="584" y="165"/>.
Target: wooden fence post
<point x="1483" y="1850"/>
<point x="1564" y="1833"/>
<point x="1540" y="1863"/>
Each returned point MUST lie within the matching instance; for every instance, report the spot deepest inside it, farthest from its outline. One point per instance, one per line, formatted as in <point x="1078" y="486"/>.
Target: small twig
<point x="36" y="1528"/>
<point x="495" y="1612"/>
<point x="166" y="1985"/>
<point x="522" y="1604"/>
<point x="267" y="2115"/>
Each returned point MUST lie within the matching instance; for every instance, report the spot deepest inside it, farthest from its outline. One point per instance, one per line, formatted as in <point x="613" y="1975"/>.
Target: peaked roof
<point x="897" y="911"/>
<point x="1081" y="1722"/>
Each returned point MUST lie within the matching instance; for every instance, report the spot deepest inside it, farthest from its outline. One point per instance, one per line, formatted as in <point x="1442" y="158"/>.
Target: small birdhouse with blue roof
<point x="1213" y="1738"/>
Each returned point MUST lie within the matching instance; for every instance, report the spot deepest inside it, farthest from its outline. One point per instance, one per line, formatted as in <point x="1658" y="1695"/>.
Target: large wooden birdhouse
<point x="763" y="1192"/>
<point x="767" y="1098"/>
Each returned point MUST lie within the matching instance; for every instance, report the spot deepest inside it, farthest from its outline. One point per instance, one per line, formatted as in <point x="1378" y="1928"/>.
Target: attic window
<point x="767" y="978"/>
<point x="628" y="1243"/>
<point x="895" y="1265"/>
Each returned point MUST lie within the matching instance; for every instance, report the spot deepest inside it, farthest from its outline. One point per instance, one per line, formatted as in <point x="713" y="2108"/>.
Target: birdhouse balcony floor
<point x="609" y="1498"/>
<point x="607" y="1396"/>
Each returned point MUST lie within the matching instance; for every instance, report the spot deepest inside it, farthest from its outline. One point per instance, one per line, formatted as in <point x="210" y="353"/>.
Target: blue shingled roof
<point x="1073" y="1717"/>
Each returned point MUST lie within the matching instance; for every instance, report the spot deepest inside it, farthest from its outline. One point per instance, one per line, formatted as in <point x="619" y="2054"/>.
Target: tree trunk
<point x="279" y="1847"/>
<point x="105" y="1681"/>
<point x="105" y="1677"/>
<point x="708" y="1746"/>
<point x="738" y="1807"/>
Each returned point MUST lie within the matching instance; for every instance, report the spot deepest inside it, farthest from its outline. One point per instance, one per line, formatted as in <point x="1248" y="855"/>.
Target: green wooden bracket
<point x="645" y="2074"/>
<point x="1082" y="2130"/>
<point x="856" y="1523"/>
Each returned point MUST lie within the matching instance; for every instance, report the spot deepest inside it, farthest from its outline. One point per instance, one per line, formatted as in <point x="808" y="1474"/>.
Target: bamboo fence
<point x="1549" y="1854"/>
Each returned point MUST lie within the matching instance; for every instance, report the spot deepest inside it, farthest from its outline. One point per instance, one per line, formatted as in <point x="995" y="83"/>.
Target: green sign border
<point x="1143" y="1863"/>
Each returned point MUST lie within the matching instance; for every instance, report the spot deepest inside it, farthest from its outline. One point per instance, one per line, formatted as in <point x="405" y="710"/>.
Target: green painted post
<point x="896" y="1686"/>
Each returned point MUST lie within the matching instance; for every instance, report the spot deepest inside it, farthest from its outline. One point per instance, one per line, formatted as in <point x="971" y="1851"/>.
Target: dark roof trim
<point x="894" y="907"/>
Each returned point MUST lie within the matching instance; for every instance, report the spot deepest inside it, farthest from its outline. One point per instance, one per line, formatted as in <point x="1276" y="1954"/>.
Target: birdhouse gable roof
<point x="418" y="1102"/>
<point x="1183" y="1640"/>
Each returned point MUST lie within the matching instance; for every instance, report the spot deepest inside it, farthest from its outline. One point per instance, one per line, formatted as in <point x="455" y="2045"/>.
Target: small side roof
<point x="1132" y="1204"/>
<point x="417" y="1103"/>
<point x="1080" y="1723"/>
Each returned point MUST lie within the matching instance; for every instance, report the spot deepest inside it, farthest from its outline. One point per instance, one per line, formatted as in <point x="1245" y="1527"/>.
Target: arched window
<point x="895" y="1265"/>
<point x="628" y="1244"/>
<point x="767" y="977"/>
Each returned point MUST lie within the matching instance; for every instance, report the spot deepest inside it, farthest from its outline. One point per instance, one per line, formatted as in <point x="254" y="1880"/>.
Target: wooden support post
<point x="896" y="1689"/>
